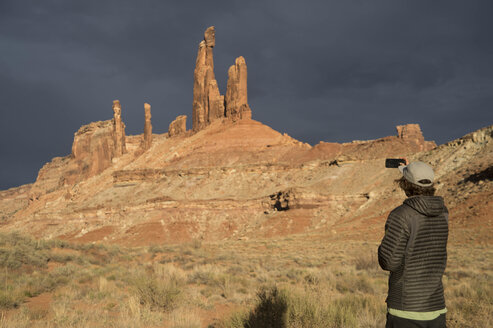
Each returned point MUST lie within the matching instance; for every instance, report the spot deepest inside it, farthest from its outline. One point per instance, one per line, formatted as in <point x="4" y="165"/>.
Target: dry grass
<point x="292" y="282"/>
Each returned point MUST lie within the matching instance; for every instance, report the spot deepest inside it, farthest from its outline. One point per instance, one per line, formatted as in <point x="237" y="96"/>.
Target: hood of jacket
<point x="427" y="205"/>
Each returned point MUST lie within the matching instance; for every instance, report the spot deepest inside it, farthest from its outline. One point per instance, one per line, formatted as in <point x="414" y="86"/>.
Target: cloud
<point x="318" y="70"/>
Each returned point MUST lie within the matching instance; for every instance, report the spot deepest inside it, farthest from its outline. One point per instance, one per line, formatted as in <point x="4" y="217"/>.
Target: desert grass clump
<point x="270" y="310"/>
<point x="10" y="298"/>
<point x="367" y="262"/>
<point x="157" y="293"/>
<point x="354" y="283"/>
<point x="132" y="314"/>
<point x="204" y="274"/>
<point x="470" y="302"/>
<point x="184" y="318"/>
<point x="294" y="308"/>
<point x="18" y="251"/>
<point x="47" y="282"/>
<point x="20" y="320"/>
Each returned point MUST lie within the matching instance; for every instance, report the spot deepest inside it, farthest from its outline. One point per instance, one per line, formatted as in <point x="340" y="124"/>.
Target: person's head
<point x="417" y="179"/>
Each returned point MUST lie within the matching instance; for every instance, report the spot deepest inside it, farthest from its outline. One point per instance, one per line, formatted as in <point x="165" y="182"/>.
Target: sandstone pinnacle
<point x="208" y="104"/>
<point x="236" y="100"/>
<point x="118" y="129"/>
<point x="210" y="36"/>
<point x="147" y="127"/>
<point x="202" y="77"/>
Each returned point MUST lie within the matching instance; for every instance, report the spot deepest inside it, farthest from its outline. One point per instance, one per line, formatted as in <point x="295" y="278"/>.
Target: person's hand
<point x="404" y="158"/>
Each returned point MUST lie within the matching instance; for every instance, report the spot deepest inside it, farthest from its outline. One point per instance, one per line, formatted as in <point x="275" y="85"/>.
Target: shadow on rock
<point x="484" y="175"/>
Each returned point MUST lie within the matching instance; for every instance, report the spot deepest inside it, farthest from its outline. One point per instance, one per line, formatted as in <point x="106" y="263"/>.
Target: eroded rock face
<point x="215" y="101"/>
<point x="178" y="126"/>
<point x="13" y="200"/>
<point x="94" y="147"/>
<point x="411" y="133"/>
<point x="118" y="129"/>
<point x="147" y="127"/>
<point x="92" y="152"/>
<point x="236" y="99"/>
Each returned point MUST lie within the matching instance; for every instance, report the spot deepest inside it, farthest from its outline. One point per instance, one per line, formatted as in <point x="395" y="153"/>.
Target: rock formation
<point x="178" y="126"/>
<point x="242" y="180"/>
<point x="118" y="129"/>
<point x="203" y="82"/>
<point x="147" y="127"/>
<point x="411" y="133"/>
<point x="208" y="104"/>
<point x="236" y="99"/>
<point x="94" y="147"/>
<point x="215" y="101"/>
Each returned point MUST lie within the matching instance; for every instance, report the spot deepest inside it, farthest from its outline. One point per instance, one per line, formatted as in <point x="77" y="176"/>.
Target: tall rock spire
<point x="118" y="129"/>
<point x="208" y="104"/>
<point x="147" y="127"/>
<point x="206" y="95"/>
<point x="236" y="99"/>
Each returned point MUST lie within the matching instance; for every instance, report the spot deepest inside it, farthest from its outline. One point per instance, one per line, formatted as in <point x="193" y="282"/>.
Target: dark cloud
<point x="318" y="70"/>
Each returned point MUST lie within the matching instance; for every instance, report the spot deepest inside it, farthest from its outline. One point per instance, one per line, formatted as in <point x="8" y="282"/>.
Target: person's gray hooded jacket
<point x="414" y="250"/>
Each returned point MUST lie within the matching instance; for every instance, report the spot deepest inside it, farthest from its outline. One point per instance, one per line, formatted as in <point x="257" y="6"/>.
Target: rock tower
<point x="208" y="104"/>
<point x="118" y="129"/>
<point x="236" y="100"/>
<point x="204" y="82"/>
<point x="147" y="127"/>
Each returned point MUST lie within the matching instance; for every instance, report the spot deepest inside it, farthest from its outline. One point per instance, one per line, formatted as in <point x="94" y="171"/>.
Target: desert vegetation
<point x="294" y="281"/>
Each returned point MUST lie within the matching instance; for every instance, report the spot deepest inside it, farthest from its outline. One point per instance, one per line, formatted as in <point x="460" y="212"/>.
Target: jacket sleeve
<point x="393" y="246"/>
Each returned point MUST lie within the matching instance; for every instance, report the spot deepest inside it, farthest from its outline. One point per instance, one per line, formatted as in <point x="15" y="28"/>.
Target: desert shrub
<point x="196" y="243"/>
<point x="312" y="279"/>
<point x="16" y="252"/>
<point x="62" y="258"/>
<point x="184" y="318"/>
<point x="351" y="284"/>
<point x="270" y="311"/>
<point x="36" y="284"/>
<point x="368" y="262"/>
<point x="203" y="274"/>
<point x="236" y="320"/>
<point x="19" y="251"/>
<point x="159" y="294"/>
<point x="295" y="274"/>
<point x="470" y="303"/>
<point x="458" y="274"/>
<point x="302" y="309"/>
<point x="20" y="320"/>
<point x="154" y="250"/>
<point x="344" y="311"/>
<point x="10" y="299"/>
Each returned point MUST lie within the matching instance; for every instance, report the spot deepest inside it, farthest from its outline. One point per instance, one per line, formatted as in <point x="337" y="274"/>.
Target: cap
<point x="419" y="173"/>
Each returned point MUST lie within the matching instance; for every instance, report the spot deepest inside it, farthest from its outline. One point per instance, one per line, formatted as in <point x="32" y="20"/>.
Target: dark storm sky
<point x="318" y="70"/>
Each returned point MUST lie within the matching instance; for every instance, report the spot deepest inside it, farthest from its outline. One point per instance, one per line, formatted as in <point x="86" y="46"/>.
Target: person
<point x="414" y="250"/>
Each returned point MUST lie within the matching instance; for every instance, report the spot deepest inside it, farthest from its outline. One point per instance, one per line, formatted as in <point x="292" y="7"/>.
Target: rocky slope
<point x="245" y="180"/>
<point x="233" y="177"/>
